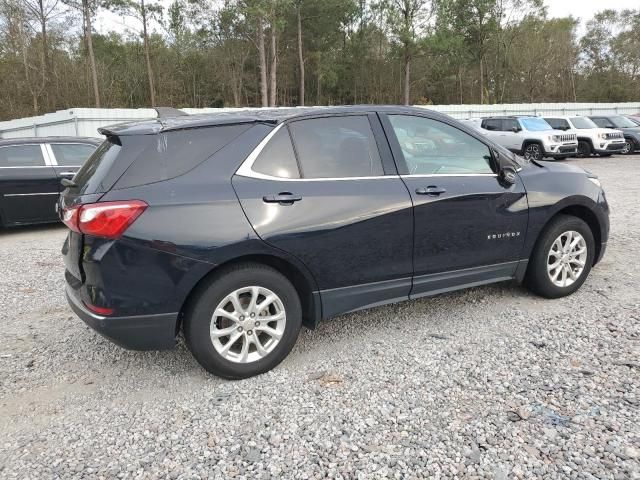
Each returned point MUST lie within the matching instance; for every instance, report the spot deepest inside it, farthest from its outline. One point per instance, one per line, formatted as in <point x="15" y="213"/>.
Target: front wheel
<point x="629" y="147"/>
<point x="533" y="151"/>
<point x="562" y="258"/>
<point x="584" y="149"/>
<point x="244" y="322"/>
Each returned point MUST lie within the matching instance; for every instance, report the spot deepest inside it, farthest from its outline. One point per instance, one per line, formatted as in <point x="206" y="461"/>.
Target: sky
<point x="585" y="9"/>
<point x="582" y="9"/>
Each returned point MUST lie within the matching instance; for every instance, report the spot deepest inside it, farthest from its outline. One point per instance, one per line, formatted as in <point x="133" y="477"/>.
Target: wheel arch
<point x="301" y="281"/>
<point x="589" y="140"/>
<point x="529" y="141"/>
<point x="585" y="214"/>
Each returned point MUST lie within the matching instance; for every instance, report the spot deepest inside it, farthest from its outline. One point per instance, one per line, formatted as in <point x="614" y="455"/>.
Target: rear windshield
<point x="93" y="172"/>
<point x="132" y="160"/>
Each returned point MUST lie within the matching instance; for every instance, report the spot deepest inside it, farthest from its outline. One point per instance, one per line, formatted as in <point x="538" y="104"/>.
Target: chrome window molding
<point x="427" y="175"/>
<point x="30" y="194"/>
<point x="246" y="169"/>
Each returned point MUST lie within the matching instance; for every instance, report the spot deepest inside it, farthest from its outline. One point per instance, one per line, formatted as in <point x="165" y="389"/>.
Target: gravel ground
<point x="491" y="382"/>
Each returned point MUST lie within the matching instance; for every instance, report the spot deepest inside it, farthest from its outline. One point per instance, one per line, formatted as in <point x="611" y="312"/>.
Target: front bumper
<point x="139" y="332"/>
<point x="560" y="151"/>
<point x="609" y="147"/>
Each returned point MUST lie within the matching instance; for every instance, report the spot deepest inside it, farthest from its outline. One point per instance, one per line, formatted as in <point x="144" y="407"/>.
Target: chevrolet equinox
<point x="240" y="228"/>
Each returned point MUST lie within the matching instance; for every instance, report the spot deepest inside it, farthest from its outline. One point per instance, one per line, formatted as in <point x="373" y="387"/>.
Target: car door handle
<point x="285" y="198"/>
<point x="67" y="174"/>
<point x="430" y="190"/>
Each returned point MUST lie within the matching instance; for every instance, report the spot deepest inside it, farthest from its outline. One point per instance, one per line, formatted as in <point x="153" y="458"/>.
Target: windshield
<point x="583" y="123"/>
<point x="534" y="124"/>
<point x="622" y="122"/>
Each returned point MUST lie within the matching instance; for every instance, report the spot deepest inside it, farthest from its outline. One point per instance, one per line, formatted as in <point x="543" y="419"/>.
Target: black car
<point x="630" y="130"/>
<point x="30" y="173"/>
<point x="239" y="228"/>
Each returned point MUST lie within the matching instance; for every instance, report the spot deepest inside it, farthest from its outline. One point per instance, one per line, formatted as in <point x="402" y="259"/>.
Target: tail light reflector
<point x="103" y="219"/>
<point x="106" y="311"/>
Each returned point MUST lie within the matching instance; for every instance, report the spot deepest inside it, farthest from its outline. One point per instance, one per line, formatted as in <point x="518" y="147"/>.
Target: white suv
<point x="531" y="137"/>
<point x="591" y="138"/>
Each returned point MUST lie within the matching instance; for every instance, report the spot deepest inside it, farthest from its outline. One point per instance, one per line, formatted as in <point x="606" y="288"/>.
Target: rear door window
<point x="21" y="156"/>
<point x="493" y="124"/>
<point x="336" y="147"/>
<point x="71" y="154"/>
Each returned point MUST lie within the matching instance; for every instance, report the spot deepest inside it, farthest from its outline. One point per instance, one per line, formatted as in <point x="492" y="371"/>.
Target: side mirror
<point x="515" y="129"/>
<point x="508" y="175"/>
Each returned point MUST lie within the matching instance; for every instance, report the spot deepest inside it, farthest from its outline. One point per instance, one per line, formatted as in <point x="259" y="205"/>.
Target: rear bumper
<point x="139" y="332"/>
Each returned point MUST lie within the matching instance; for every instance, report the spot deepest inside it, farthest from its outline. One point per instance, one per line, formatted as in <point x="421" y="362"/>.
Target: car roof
<point x="31" y="140"/>
<point x="269" y="115"/>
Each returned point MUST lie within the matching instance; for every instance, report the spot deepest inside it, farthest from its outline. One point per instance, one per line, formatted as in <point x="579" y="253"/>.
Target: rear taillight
<point x="104" y="219"/>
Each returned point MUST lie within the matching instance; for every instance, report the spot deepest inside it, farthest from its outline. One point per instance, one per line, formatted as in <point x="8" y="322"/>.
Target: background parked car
<point x="31" y="170"/>
<point x="531" y="137"/>
<point x="591" y="138"/>
<point x="634" y="118"/>
<point x="630" y="130"/>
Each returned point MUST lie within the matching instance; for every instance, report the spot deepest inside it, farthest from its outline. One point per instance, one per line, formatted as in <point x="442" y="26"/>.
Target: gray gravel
<point x="487" y="383"/>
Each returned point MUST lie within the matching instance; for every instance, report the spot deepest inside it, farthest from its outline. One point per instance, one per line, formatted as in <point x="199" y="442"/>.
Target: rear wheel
<point x="533" y="151"/>
<point x="562" y="258"/>
<point x="244" y="322"/>
<point x="584" y="149"/>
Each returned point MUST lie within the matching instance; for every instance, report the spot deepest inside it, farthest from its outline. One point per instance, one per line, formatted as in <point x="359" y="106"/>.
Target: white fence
<point x="86" y="121"/>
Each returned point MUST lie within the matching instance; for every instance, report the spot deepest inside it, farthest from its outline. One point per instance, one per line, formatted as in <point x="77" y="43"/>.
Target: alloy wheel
<point x="248" y="324"/>
<point x="567" y="258"/>
<point x="533" y="152"/>
<point x="627" y="147"/>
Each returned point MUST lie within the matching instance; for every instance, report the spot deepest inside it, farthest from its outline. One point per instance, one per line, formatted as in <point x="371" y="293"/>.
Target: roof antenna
<point x="168" y="112"/>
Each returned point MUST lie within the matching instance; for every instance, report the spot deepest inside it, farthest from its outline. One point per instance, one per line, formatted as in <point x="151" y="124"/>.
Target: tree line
<point x="214" y="53"/>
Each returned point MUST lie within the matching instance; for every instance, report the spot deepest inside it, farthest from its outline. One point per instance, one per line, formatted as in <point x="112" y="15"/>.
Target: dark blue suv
<point x="240" y="228"/>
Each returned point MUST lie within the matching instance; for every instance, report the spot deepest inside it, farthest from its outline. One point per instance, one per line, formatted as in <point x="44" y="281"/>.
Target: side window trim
<point x="246" y="168"/>
<point x="401" y="163"/>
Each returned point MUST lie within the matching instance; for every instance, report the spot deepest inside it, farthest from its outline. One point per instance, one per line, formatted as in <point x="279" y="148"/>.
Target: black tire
<point x="533" y="151"/>
<point x="198" y="319"/>
<point x="537" y="278"/>
<point x="584" y="149"/>
<point x="629" y="147"/>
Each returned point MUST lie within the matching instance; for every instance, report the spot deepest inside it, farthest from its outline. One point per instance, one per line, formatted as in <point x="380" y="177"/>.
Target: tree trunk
<point x="273" y="80"/>
<point x="407" y="76"/>
<point x="92" y="58"/>
<point x="481" y="81"/>
<point x="262" y="61"/>
<point x="301" y="62"/>
<point x="145" y="39"/>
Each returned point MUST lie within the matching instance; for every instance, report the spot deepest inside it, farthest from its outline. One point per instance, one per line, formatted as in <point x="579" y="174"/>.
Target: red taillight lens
<point x="104" y="219"/>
